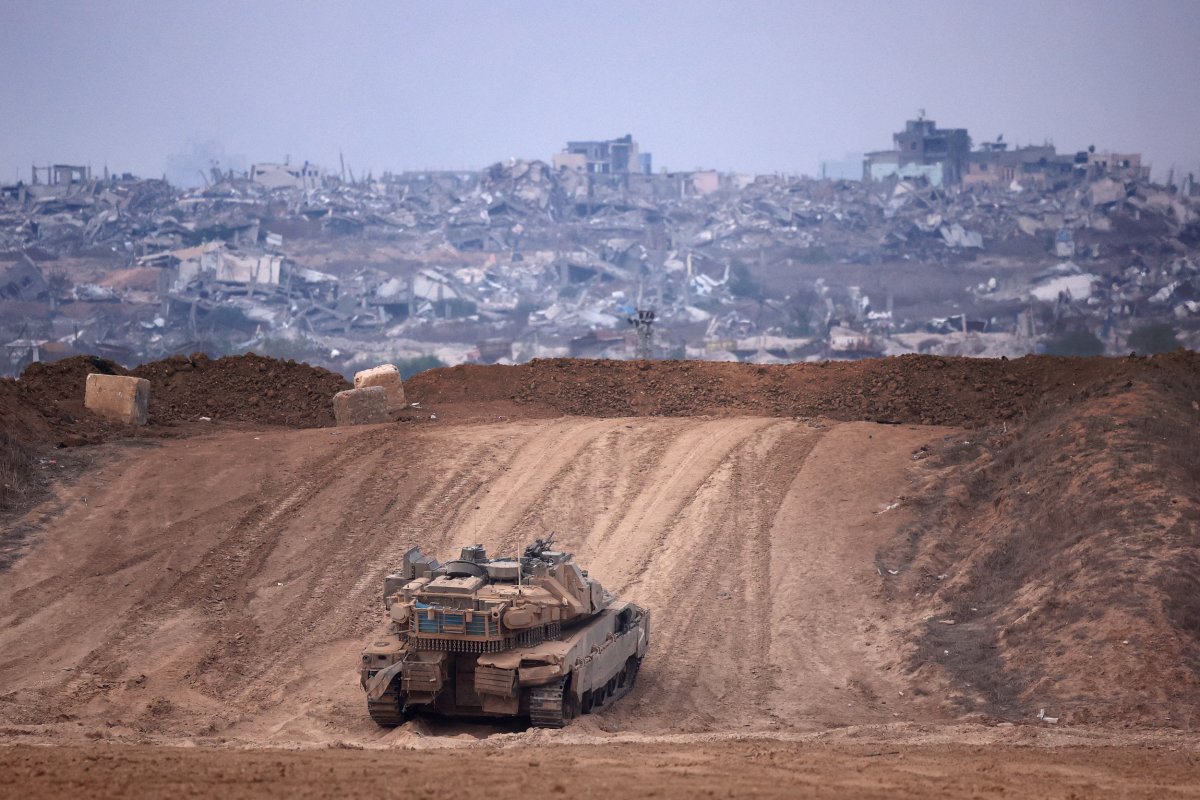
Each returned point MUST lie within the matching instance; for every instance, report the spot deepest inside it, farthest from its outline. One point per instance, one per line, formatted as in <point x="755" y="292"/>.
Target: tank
<point x="477" y="637"/>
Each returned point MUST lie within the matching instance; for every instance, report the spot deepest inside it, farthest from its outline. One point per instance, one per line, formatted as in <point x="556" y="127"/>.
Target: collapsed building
<point x="527" y="259"/>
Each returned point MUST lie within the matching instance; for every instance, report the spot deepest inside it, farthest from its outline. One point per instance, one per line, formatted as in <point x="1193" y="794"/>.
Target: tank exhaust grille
<point x="527" y="638"/>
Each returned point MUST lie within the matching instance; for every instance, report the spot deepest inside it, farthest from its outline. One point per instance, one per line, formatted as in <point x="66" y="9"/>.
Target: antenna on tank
<point x="520" y="568"/>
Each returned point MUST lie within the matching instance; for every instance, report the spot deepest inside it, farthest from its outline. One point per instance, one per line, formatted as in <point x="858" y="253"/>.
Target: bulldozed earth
<point x="870" y="578"/>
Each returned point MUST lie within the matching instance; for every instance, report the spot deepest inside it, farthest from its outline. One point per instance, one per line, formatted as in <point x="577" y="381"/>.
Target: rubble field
<point x="521" y="261"/>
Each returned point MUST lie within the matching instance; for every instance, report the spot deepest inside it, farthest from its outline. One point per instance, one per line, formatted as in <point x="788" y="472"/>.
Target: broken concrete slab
<point x="367" y="406"/>
<point x="1074" y="287"/>
<point x="957" y="236"/>
<point x="1106" y="191"/>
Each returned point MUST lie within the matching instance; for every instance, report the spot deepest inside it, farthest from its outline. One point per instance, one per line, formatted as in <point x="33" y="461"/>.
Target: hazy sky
<point x="745" y="86"/>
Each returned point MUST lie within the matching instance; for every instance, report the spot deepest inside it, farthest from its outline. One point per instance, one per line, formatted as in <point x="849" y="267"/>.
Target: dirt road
<point x="219" y="588"/>
<point x="745" y="768"/>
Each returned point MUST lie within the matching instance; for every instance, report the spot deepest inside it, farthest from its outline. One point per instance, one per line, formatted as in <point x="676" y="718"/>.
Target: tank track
<point x="387" y="711"/>
<point x="550" y="706"/>
<point x="617" y="687"/>
<point x="546" y="706"/>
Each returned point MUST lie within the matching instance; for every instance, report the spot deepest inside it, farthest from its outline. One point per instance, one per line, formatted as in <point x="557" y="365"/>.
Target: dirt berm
<point x="1057" y="564"/>
<point x="44" y="408"/>
<point x="928" y="390"/>
<point x="809" y="568"/>
<point x="250" y="389"/>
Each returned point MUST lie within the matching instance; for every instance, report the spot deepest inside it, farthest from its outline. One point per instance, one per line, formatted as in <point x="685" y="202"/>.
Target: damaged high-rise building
<point x="606" y="157"/>
<point x="922" y="149"/>
<point x="944" y="157"/>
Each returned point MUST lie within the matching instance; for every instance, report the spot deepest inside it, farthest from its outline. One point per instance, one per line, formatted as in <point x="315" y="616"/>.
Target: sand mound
<point x="1045" y="558"/>
<point x="59" y="381"/>
<point x="1057" y="565"/>
<point x="44" y="408"/>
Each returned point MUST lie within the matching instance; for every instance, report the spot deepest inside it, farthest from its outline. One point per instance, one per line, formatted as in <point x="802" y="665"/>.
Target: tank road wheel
<point x="551" y="706"/>
<point x="388" y="711"/>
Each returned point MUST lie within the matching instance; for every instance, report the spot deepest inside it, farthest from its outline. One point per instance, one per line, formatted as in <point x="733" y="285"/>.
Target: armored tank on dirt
<point x="477" y="637"/>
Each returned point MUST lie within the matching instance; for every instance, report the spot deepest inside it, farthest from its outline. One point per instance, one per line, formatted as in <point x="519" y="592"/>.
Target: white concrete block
<point x="387" y="376"/>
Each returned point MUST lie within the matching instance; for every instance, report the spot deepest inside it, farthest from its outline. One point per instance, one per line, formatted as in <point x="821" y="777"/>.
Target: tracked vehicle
<point x="532" y="637"/>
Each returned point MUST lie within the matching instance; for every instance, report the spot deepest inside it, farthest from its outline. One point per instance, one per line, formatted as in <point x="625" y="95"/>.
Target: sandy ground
<point x="745" y="768"/>
<point x="216" y="591"/>
<point x="220" y="588"/>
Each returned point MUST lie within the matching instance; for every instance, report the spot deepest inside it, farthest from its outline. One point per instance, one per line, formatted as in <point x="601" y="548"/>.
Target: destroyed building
<point x="607" y="157"/>
<point x="944" y="157"/>
<point x="1126" y="166"/>
<point x="60" y="175"/>
<point x="922" y="149"/>
<point x="23" y="280"/>
<point x="287" y="176"/>
<point x="996" y="166"/>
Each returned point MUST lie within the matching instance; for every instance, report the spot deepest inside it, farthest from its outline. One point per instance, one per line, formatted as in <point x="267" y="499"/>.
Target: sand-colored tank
<point x="477" y="637"/>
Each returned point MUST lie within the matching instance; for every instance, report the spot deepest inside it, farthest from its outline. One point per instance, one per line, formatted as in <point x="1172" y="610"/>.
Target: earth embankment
<point x="808" y="567"/>
<point x="220" y="587"/>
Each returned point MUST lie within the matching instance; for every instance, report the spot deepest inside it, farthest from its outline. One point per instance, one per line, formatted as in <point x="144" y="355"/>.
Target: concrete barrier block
<point x="118" y="397"/>
<point x="387" y="376"/>
<point x="361" y="406"/>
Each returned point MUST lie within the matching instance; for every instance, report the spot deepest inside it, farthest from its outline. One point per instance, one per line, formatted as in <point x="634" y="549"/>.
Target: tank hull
<point x="588" y="666"/>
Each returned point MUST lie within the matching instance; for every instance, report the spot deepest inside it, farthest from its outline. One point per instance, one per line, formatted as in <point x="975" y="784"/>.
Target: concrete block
<point x="361" y="406"/>
<point x="118" y="397"/>
<point x="387" y="376"/>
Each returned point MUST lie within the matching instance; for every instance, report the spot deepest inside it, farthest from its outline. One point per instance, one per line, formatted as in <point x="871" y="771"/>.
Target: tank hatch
<point x="503" y="570"/>
<point x="465" y="585"/>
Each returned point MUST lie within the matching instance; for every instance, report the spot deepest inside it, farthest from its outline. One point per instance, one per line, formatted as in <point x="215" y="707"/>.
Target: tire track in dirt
<point x="501" y="512"/>
<point x="638" y="525"/>
<point x="841" y="642"/>
<point x="212" y="596"/>
<point x="241" y="611"/>
<point x="709" y="663"/>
